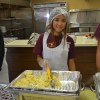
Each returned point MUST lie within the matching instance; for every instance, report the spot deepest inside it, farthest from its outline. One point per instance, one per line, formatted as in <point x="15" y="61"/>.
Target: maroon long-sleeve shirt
<point x="38" y="49"/>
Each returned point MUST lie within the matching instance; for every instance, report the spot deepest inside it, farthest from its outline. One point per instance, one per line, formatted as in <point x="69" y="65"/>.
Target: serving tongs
<point x="50" y="78"/>
<point x="50" y="75"/>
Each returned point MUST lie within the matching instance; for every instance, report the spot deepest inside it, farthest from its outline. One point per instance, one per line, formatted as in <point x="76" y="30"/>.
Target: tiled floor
<point x="4" y="72"/>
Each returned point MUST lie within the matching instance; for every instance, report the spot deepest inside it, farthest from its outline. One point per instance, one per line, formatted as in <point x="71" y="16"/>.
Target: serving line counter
<point x="80" y="41"/>
<point x="20" y="57"/>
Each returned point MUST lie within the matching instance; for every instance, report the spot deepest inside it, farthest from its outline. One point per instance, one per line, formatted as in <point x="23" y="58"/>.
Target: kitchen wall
<point x="76" y="4"/>
<point x="21" y="13"/>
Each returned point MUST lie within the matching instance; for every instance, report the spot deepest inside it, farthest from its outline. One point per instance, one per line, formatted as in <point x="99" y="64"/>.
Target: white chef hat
<point x="55" y="12"/>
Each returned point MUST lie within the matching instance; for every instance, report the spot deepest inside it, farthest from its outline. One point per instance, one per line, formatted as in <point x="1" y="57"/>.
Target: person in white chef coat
<point x="54" y="47"/>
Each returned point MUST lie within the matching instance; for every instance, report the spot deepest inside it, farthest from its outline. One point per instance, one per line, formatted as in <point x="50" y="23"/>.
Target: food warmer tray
<point x="64" y="76"/>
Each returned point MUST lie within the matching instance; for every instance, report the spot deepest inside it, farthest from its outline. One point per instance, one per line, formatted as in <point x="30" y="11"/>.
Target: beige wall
<point x="76" y="4"/>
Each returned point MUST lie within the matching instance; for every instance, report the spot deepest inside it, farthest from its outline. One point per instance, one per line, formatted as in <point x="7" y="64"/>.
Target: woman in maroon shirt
<point x="97" y="35"/>
<point x="55" y="48"/>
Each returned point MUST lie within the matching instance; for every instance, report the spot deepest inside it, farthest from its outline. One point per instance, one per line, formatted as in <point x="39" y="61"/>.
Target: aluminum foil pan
<point x="96" y="79"/>
<point x="70" y="83"/>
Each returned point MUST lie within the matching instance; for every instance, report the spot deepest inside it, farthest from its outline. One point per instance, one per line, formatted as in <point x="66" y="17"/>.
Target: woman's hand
<point x="71" y="64"/>
<point x="43" y="63"/>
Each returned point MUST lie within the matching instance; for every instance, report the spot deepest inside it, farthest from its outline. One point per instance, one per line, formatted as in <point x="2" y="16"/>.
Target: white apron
<point x="57" y="57"/>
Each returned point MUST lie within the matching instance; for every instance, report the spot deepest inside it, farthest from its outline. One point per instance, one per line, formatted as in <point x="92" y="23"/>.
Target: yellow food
<point x="37" y="81"/>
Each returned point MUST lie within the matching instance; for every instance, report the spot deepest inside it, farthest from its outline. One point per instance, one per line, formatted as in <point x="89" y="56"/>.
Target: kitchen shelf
<point x="11" y="18"/>
<point x="20" y="3"/>
<point x="79" y="10"/>
<point x="83" y="26"/>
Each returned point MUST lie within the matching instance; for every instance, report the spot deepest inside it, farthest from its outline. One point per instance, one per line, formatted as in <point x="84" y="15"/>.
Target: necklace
<point x="52" y="43"/>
